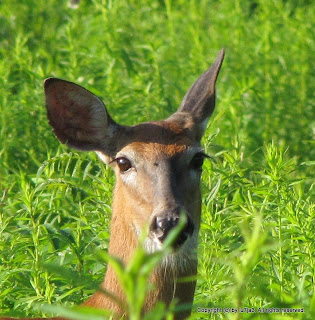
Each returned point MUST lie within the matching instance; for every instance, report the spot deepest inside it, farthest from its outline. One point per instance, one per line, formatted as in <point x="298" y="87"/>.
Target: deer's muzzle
<point x="163" y="224"/>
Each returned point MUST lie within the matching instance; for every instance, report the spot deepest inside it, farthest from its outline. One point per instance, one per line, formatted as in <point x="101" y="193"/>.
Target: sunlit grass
<point x="256" y="242"/>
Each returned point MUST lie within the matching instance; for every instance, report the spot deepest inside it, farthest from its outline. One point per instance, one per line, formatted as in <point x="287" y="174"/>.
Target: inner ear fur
<point x="79" y="118"/>
<point x="199" y="100"/>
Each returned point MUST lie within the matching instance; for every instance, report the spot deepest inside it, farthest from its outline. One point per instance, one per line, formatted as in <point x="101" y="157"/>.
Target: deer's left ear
<point x="199" y="101"/>
<point x="79" y="118"/>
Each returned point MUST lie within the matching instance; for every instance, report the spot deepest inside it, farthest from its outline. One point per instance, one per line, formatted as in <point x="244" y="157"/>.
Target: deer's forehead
<point x="162" y="132"/>
<point x="153" y="151"/>
<point x="159" y="139"/>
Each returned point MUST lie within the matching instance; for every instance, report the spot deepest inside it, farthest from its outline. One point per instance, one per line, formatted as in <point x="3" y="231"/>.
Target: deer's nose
<point x="163" y="224"/>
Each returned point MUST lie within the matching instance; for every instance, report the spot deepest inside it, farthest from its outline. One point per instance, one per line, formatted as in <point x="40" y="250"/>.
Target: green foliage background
<point x="257" y="238"/>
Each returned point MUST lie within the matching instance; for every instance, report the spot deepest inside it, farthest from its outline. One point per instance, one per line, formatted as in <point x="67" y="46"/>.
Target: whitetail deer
<point x="158" y="168"/>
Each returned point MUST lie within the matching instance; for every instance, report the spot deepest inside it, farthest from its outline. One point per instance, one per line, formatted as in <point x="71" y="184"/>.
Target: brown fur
<point x="161" y="182"/>
<point x="171" y="141"/>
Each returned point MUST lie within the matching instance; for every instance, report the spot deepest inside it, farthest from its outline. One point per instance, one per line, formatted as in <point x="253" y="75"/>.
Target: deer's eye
<point x="197" y="161"/>
<point x="123" y="163"/>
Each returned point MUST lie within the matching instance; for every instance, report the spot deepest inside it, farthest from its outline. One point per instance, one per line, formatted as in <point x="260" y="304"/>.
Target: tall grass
<point x="256" y="244"/>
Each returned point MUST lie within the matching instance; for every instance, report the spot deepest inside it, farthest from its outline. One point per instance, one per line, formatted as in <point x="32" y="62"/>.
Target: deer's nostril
<point x="166" y="223"/>
<point x="162" y="225"/>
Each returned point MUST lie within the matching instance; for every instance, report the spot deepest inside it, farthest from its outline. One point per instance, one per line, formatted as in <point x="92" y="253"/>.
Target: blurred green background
<point x="140" y="57"/>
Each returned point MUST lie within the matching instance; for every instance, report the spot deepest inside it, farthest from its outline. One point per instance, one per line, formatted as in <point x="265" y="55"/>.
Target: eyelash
<point x="123" y="163"/>
<point x="197" y="160"/>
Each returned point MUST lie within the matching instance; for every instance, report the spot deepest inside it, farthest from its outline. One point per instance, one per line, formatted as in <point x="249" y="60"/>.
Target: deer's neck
<point x="123" y="242"/>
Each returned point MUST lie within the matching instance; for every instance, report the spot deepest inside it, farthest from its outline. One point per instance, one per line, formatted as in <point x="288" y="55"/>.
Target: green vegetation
<point x="257" y="245"/>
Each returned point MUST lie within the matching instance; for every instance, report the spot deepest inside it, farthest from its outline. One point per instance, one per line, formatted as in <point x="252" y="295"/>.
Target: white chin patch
<point x="152" y="245"/>
<point x="187" y="249"/>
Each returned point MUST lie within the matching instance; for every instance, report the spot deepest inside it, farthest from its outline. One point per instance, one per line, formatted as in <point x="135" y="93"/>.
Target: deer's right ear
<point x="199" y="101"/>
<point x="79" y="118"/>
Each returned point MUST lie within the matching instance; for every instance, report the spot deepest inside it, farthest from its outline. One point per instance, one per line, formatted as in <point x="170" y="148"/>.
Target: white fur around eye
<point x="129" y="177"/>
<point x="102" y="156"/>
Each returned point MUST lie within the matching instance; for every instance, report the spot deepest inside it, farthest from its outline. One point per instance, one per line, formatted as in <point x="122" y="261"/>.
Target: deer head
<point x="157" y="164"/>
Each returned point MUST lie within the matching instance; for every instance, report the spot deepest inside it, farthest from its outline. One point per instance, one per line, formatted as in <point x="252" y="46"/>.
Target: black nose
<point x="163" y="224"/>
